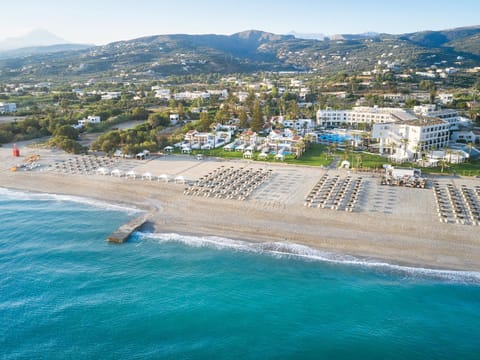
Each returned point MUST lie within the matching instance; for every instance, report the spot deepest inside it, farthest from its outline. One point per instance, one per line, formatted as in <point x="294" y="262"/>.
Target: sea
<point x="65" y="293"/>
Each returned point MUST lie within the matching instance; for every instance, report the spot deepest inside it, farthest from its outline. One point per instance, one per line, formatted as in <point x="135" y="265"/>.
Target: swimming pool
<point x="335" y="138"/>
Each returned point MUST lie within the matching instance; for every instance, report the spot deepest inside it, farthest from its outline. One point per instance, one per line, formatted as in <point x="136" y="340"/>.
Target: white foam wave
<point x="286" y="249"/>
<point x="28" y="196"/>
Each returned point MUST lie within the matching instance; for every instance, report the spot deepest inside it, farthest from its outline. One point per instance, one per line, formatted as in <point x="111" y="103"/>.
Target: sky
<point x="103" y="21"/>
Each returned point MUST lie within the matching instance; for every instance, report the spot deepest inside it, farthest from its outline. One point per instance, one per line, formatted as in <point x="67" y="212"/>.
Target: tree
<point x="221" y="116"/>
<point x="449" y="153"/>
<point x="417" y="151"/>
<point x="66" y="131"/>
<point x="139" y="113"/>
<point x="257" y="117"/>
<point x="292" y="111"/>
<point x="158" y="119"/>
<point x="347" y="146"/>
<point x="393" y="148"/>
<point x="299" y="148"/>
<point x="204" y="122"/>
<point x="470" y="148"/>
<point x="443" y="163"/>
<point x="250" y="101"/>
<point x="243" y="117"/>
<point x="404" y="142"/>
<point x="69" y="145"/>
<point x="427" y="85"/>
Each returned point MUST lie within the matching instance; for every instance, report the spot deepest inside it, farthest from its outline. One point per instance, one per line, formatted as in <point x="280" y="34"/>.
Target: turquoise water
<point x="337" y="138"/>
<point x="66" y="293"/>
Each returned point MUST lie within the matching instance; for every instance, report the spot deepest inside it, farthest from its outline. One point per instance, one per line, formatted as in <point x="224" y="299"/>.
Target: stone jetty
<point x="123" y="232"/>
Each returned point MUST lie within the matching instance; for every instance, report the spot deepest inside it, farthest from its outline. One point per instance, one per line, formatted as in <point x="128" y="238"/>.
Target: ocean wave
<point x="29" y="196"/>
<point x="292" y="250"/>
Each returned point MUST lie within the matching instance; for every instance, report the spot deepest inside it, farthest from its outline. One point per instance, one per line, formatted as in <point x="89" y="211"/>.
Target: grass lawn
<point x="360" y="159"/>
<point x="465" y="169"/>
<point x="316" y="155"/>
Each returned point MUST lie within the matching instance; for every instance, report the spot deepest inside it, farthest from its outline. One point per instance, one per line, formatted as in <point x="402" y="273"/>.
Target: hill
<point x="35" y="50"/>
<point x="248" y="51"/>
<point x="33" y="38"/>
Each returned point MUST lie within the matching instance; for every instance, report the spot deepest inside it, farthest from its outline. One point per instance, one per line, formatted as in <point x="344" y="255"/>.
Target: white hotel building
<point x="400" y="133"/>
<point x="450" y="115"/>
<point x="404" y="139"/>
<point x="361" y="115"/>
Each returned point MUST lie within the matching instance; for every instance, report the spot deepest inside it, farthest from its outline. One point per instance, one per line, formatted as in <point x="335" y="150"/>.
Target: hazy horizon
<point x="90" y="22"/>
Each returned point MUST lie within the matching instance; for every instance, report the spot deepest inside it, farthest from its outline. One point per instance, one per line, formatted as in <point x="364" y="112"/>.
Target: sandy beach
<point x="398" y="225"/>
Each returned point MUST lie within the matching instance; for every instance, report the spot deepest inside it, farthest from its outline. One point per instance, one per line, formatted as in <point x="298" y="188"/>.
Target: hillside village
<point x="426" y="116"/>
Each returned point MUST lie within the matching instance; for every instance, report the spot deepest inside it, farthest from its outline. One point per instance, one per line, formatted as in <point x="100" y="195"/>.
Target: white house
<point x="250" y="138"/>
<point x="164" y="94"/>
<point x="445" y="98"/>
<point x="198" y="139"/>
<point x="89" y="120"/>
<point x="191" y="95"/>
<point x="242" y="96"/>
<point x="299" y="125"/>
<point x="111" y="95"/>
<point x="8" y="107"/>
<point x="174" y="119"/>
<point x="223" y="94"/>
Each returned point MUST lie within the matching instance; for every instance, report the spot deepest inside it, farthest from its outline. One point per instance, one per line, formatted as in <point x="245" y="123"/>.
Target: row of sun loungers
<point x="86" y="165"/>
<point x="145" y="176"/>
<point x="335" y="193"/>
<point x="92" y="165"/>
<point x="228" y="183"/>
<point x="460" y="206"/>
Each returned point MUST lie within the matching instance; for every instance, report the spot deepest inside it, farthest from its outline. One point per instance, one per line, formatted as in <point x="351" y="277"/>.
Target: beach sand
<point x="392" y="224"/>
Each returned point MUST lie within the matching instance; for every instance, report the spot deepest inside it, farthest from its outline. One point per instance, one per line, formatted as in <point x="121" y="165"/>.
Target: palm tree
<point x="443" y="163"/>
<point x="307" y="138"/>
<point x="300" y="147"/>
<point x="359" y="161"/>
<point x="470" y="148"/>
<point x="404" y="142"/>
<point x="393" y="147"/>
<point x="346" y="147"/>
<point x="449" y="152"/>
<point x="424" y="158"/>
<point x="417" y="151"/>
<point x="366" y="137"/>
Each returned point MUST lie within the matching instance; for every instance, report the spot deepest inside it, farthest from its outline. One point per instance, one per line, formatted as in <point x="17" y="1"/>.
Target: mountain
<point x="353" y="36"/>
<point x="154" y="57"/>
<point x="441" y="38"/>
<point x="35" y="50"/>
<point x="34" y="38"/>
<point x="308" y="36"/>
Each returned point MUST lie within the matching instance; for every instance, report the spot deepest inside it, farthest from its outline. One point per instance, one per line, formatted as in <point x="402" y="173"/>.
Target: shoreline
<point x="398" y="226"/>
<point x="149" y="229"/>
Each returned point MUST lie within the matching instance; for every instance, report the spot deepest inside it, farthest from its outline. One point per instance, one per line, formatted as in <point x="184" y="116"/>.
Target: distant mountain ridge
<point x="248" y="51"/>
<point x="33" y="38"/>
<point x="308" y="36"/>
<point x="36" y="50"/>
